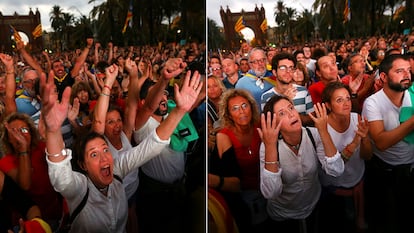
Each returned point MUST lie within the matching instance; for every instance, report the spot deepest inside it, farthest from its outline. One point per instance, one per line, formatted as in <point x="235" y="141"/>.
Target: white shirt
<point x="355" y="167"/>
<point x="130" y="181"/>
<point x="169" y="165"/>
<point x="378" y="107"/>
<point x="294" y="190"/>
<point x="101" y="213"/>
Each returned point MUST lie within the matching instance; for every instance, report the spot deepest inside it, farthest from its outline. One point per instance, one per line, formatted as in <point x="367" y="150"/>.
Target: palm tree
<point x="68" y="20"/>
<point x="57" y="23"/>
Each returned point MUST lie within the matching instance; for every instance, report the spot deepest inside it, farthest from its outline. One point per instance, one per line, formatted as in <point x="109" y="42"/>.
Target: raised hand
<point x="321" y="116"/>
<point x="362" y="128"/>
<point x="7" y="61"/>
<point x="187" y="95"/>
<point x="173" y="67"/>
<point x="131" y="67"/>
<point x="19" y="142"/>
<point x="53" y="111"/>
<point x="74" y="110"/>
<point x="269" y="131"/>
<point x="111" y="72"/>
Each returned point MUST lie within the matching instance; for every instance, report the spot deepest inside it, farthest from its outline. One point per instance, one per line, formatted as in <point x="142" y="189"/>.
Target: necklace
<point x="295" y="147"/>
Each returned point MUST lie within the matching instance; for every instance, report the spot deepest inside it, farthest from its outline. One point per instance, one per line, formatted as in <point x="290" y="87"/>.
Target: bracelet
<point x="103" y="94"/>
<point x="272" y="162"/>
<point x="10" y="72"/>
<point x="344" y="157"/>
<point x="22" y="153"/>
<point x="62" y="153"/>
<point x="220" y="185"/>
<point x="107" y="87"/>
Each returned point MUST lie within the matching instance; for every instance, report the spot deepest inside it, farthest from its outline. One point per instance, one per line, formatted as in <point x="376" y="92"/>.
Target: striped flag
<point x="240" y="24"/>
<point x="263" y="26"/>
<point x="128" y="20"/>
<point x="16" y="34"/>
<point x="37" y="32"/>
<point x="347" y="11"/>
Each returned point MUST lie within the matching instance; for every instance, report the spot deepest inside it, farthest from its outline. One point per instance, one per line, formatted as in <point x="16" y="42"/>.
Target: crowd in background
<point x="312" y="137"/>
<point x="119" y="95"/>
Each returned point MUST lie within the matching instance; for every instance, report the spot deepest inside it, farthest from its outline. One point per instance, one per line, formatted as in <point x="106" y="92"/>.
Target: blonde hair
<point x="224" y="106"/>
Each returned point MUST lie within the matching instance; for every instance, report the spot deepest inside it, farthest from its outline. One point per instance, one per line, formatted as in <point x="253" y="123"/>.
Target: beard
<point x="398" y="86"/>
<point x="161" y="112"/>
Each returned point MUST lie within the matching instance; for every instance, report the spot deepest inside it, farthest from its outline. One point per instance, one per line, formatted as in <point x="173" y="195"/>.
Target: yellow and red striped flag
<point x="240" y="24"/>
<point x="347" y="11"/>
<point x="263" y="26"/>
<point x="128" y="20"/>
<point x="37" y="32"/>
<point x="16" y="34"/>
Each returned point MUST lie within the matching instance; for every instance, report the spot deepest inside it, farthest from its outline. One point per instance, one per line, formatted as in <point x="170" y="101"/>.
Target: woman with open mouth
<point x="290" y="159"/>
<point x="106" y="207"/>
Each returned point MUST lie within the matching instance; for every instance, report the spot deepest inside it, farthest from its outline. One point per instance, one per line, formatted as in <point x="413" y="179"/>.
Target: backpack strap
<point x="311" y="138"/>
<point x="79" y="207"/>
<point x="83" y="203"/>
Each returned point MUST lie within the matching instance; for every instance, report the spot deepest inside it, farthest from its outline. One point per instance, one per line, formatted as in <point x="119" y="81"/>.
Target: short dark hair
<point x="386" y="64"/>
<point x="282" y="56"/>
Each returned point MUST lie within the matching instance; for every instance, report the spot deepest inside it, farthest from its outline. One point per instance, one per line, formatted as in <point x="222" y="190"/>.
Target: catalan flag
<point x="37" y="32"/>
<point x="16" y="34"/>
<point x="240" y="24"/>
<point x="263" y="26"/>
<point x="128" y="20"/>
<point x="347" y="11"/>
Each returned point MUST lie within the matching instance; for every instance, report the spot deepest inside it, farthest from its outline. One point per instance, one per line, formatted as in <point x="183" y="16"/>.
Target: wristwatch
<point x="354" y="95"/>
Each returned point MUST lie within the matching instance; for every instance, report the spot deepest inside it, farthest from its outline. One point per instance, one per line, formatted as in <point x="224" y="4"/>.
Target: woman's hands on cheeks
<point x="269" y="131"/>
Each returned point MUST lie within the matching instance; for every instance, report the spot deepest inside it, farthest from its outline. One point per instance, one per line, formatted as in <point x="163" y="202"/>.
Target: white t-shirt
<point x="378" y="107"/>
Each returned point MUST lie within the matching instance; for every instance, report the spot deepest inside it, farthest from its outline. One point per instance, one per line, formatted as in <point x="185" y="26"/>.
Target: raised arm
<point x="54" y="113"/>
<point x="9" y="100"/>
<point x="28" y="58"/>
<point x="269" y="135"/>
<point x="82" y="58"/>
<point x="321" y="123"/>
<point x="184" y="98"/>
<point x="101" y="107"/>
<point x="172" y="68"/>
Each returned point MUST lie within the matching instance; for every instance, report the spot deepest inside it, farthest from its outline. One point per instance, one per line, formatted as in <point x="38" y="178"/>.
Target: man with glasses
<point x="283" y="67"/>
<point x="257" y="80"/>
<point x="28" y="101"/>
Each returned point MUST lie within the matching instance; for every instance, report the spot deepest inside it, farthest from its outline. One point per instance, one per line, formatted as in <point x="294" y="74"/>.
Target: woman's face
<point x="21" y="127"/>
<point x="98" y="162"/>
<point x="298" y="76"/>
<point x="213" y="89"/>
<point x="240" y="111"/>
<point x="287" y="114"/>
<point x="113" y="124"/>
<point x="83" y="96"/>
<point x="340" y="102"/>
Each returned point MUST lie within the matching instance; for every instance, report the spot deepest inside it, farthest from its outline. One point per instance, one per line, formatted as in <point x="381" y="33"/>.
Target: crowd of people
<point x="313" y="137"/>
<point x="103" y="139"/>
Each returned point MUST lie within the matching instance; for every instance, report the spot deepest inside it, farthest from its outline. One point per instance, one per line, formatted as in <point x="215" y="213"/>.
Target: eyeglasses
<point x="236" y="108"/>
<point x="287" y="69"/>
<point x="341" y="100"/>
<point x="257" y="61"/>
<point x="24" y="130"/>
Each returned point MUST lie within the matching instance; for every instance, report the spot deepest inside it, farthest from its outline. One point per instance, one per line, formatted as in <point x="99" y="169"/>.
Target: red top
<point x="248" y="158"/>
<point x="41" y="190"/>
<point x="315" y="90"/>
